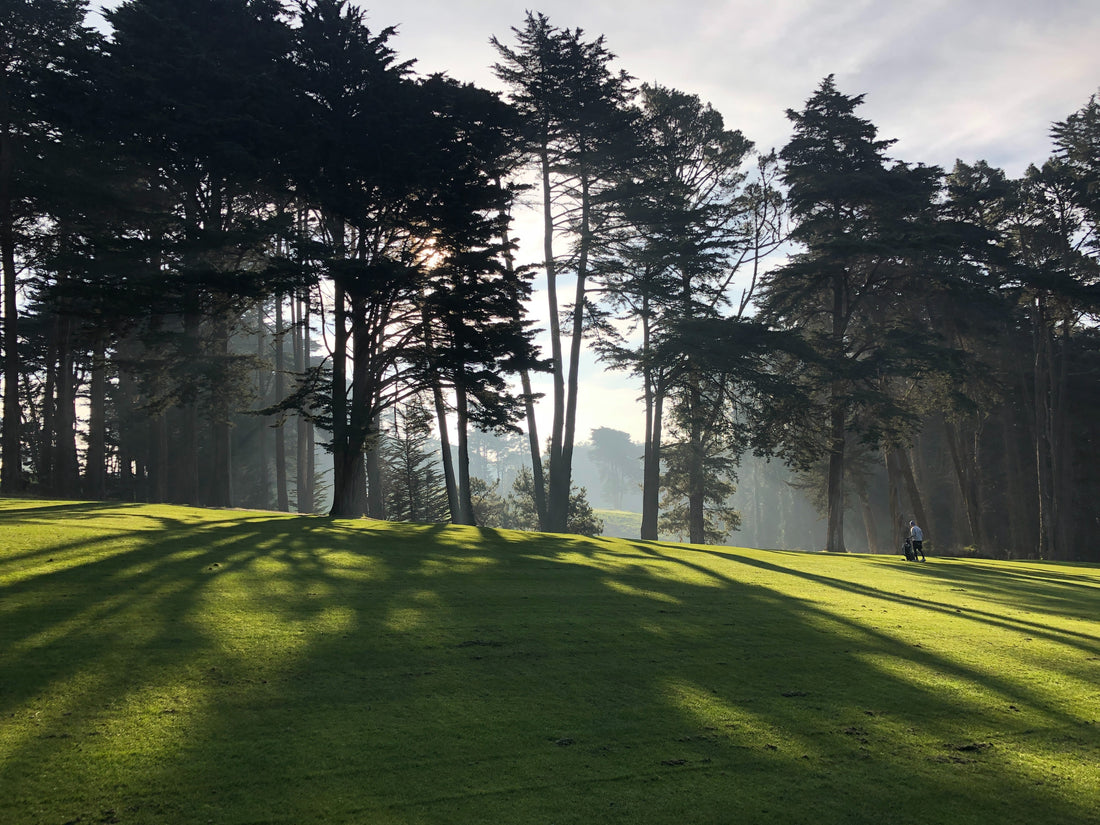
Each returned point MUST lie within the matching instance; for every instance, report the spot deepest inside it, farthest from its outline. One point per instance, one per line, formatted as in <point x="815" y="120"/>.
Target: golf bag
<point x="908" y="551"/>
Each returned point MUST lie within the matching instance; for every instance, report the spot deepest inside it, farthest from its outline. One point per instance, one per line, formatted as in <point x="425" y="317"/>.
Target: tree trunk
<point x="282" y="497"/>
<point x="964" y="458"/>
<point x="893" y="483"/>
<point x="535" y="448"/>
<point x="834" y="541"/>
<point x="556" y="510"/>
<point x="44" y="455"/>
<point x="221" y="476"/>
<point x="11" y="475"/>
<point x="304" y="455"/>
<point x="263" y="460"/>
<point x="538" y="476"/>
<point x="651" y="465"/>
<point x="561" y="471"/>
<point x="159" y="466"/>
<point x="462" y="415"/>
<point x="95" y="464"/>
<point x="1044" y="451"/>
<point x="366" y="418"/>
<point x="347" y="464"/>
<point x="697" y="482"/>
<point x="185" y="479"/>
<point x="65" y="465"/>
<point x="654" y="394"/>
<point x="376" y="498"/>
<point x="916" y="500"/>
<point x="1066" y="515"/>
<point x="869" y="522"/>
<point x="132" y="459"/>
<point x="445" y="453"/>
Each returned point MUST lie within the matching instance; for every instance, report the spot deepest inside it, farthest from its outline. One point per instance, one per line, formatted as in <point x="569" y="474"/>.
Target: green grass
<point x="174" y="665"/>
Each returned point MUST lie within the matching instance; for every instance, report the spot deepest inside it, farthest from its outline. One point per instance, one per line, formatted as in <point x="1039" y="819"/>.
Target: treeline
<point x="234" y="228"/>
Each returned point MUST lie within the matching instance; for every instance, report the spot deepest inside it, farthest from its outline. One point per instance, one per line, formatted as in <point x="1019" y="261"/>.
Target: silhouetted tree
<point x="864" y="225"/>
<point x="196" y="91"/>
<point x="573" y="109"/>
<point x="45" y="50"/>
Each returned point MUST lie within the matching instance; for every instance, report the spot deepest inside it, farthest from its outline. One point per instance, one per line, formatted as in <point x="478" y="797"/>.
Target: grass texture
<point x="173" y="665"/>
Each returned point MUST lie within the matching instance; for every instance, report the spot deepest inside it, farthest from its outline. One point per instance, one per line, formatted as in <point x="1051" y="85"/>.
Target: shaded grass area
<point x="162" y="664"/>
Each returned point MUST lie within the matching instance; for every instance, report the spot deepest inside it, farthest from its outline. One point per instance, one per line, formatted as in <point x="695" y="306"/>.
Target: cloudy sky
<point x="969" y="79"/>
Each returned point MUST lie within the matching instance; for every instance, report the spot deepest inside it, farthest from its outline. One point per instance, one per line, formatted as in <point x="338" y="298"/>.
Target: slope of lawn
<point x="172" y="665"/>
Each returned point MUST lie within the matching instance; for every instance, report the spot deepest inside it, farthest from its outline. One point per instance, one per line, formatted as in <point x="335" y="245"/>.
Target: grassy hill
<point x="173" y="665"/>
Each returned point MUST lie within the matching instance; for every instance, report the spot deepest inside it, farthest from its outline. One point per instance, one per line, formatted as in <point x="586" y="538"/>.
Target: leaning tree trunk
<point x="445" y="453"/>
<point x="538" y="475"/>
<point x="893" y="487"/>
<point x="465" y="497"/>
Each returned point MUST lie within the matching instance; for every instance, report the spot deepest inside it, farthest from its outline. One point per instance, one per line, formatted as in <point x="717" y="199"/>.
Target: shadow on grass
<point x="1026" y="593"/>
<point x="247" y="668"/>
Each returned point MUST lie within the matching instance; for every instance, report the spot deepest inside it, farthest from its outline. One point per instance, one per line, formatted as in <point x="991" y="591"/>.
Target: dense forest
<point x="252" y="259"/>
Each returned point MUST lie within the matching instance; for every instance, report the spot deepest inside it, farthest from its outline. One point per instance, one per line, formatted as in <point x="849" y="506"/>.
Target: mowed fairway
<point x="173" y="665"/>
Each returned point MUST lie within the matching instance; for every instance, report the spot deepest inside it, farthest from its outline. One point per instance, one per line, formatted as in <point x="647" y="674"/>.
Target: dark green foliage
<point x="490" y="509"/>
<point x="686" y="229"/>
<point x="46" y="54"/>
<point x="716" y="471"/>
<point x="929" y="347"/>
<point x="414" y="486"/>
<point x="866" y="226"/>
<point x="519" y="513"/>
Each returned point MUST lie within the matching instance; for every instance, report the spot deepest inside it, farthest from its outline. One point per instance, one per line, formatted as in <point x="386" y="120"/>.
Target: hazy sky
<point x="969" y="79"/>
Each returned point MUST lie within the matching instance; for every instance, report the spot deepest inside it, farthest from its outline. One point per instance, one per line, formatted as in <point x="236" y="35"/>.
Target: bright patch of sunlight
<point x="270" y="632"/>
<point x="629" y="590"/>
<point x="736" y="722"/>
<point x="450" y="564"/>
<point x="140" y="723"/>
<point x="422" y="610"/>
<point x="655" y="629"/>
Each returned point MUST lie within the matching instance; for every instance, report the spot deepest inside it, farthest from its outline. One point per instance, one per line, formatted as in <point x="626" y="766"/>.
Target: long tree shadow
<point x="1037" y="595"/>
